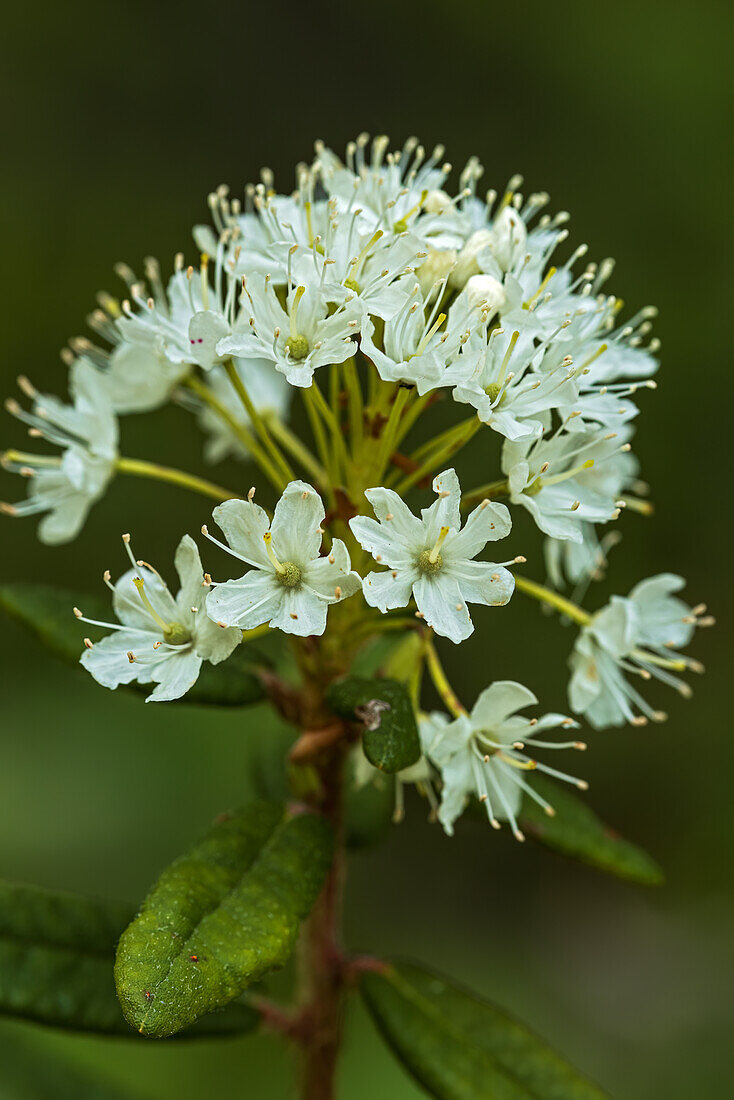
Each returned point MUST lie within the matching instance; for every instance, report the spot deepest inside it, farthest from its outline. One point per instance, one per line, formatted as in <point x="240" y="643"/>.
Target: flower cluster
<point x="372" y="291"/>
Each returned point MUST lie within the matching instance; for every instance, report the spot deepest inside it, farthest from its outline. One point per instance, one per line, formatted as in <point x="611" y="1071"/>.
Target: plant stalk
<point x="322" y="972"/>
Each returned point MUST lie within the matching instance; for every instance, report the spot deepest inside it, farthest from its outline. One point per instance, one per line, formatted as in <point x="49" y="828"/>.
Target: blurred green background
<point x="117" y="120"/>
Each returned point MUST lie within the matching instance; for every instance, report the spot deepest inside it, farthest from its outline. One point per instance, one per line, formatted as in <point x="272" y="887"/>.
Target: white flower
<point x="65" y="488"/>
<point x="291" y="585"/>
<point x="169" y="330"/>
<point x="162" y="639"/>
<point x="632" y="634"/>
<point x="579" y="562"/>
<point x="269" y="392"/>
<point x="367" y="273"/>
<point x="387" y="189"/>
<point x="431" y="558"/>
<point x="509" y="395"/>
<point x="299" y="338"/>
<point x="569" y="479"/>
<point x="417" y="349"/>
<point x="493" y="250"/>
<point x="258" y="239"/>
<point x="480" y="754"/>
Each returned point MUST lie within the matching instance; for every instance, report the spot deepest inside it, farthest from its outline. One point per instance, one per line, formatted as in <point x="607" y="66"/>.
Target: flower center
<point x="176" y="634"/>
<point x="173" y="633"/>
<point x="534" y="487"/>
<point x="431" y="561"/>
<point x="428" y="564"/>
<point x="287" y="573"/>
<point x="493" y="391"/>
<point x="290" y="576"/>
<point x="352" y="284"/>
<point x="297" y="343"/>
<point x="298" y="346"/>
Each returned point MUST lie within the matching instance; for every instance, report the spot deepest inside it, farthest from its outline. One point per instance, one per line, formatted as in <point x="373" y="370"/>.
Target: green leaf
<point x="57" y="953"/>
<point x="221" y="916"/>
<point x="390" y="737"/>
<point x="459" y="1047"/>
<point x="47" y="612"/>
<point x="576" y="831"/>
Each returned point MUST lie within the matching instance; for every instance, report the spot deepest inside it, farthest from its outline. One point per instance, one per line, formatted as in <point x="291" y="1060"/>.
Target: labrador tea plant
<point x="380" y="301"/>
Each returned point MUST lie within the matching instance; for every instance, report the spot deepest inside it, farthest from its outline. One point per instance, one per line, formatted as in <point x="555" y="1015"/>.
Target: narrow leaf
<point x="459" y="1047"/>
<point x="47" y="612"/>
<point x="57" y="953"/>
<point x="221" y="916"/>
<point x="390" y="737"/>
<point x="576" y="831"/>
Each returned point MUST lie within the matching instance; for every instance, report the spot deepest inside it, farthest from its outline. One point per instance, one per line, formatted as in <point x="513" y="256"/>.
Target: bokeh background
<point x="116" y="122"/>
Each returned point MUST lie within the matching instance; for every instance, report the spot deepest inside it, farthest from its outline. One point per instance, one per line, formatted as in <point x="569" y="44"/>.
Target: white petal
<point x="458" y="784"/>
<point x="298" y="516"/>
<point x="385" y="591"/>
<point x="498" y="702"/>
<point x="247" y="602"/>
<point x="408" y="528"/>
<point x="324" y="576"/>
<point x="381" y="541"/>
<point x="109" y="664"/>
<point x="64" y="522"/>
<point x="483" y="525"/>
<point x="301" y="613"/>
<point x="129" y="607"/>
<point x="175" y="675"/>
<point x="442" y="603"/>
<point x="244" y="523"/>
<point x="206" y="329"/>
<point x="445" y="511"/>
<point x="190" y="574"/>
<point x="483" y="582"/>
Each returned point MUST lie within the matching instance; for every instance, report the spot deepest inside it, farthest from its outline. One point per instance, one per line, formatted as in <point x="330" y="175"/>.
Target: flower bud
<point x="485" y="291"/>
<point x="436" y="267"/>
<point x="508" y="237"/>
<point x="467" y="263"/>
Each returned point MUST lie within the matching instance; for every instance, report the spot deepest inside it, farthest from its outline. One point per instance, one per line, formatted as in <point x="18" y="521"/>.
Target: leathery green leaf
<point x="460" y="1047"/>
<point x="576" y="831"/>
<point x="390" y="737"/>
<point x="47" y="612"/>
<point x="221" y="916"/>
<point x="57" y="952"/>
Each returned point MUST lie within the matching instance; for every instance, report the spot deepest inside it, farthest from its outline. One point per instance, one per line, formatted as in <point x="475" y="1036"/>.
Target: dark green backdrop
<point x="116" y="122"/>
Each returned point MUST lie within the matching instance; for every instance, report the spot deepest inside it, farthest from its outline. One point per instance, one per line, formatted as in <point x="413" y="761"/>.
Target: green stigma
<point x="298" y="346"/>
<point x="430" y="563"/>
<point x="176" y="634"/>
<point x="535" y="487"/>
<point x="352" y="284"/>
<point x="400" y="226"/>
<point x="493" y="391"/>
<point x="289" y="575"/>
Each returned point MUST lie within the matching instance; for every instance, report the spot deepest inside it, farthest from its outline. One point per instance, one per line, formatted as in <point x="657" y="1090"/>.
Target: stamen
<point x="268" y="539"/>
<point x="434" y="553"/>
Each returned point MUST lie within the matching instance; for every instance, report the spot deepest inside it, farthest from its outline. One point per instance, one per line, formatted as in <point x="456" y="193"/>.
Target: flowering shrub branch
<point x="381" y="298"/>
